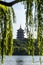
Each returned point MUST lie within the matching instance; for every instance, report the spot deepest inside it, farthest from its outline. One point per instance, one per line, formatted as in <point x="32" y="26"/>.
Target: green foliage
<point x="6" y="40"/>
<point x="29" y="20"/>
<point x="30" y="45"/>
<point x="20" y="47"/>
<point x="39" y="26"/>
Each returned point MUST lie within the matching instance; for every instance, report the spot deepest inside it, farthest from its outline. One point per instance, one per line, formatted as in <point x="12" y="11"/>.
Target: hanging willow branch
<point x="6" y="40"/>
<point x="39" y="27"/>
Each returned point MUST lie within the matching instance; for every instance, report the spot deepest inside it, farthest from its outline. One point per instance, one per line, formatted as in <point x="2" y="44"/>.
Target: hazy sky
<point x="20" y="18"/>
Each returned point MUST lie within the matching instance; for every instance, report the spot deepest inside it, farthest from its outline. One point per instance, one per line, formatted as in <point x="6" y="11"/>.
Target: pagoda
<point x="20" y="33"/>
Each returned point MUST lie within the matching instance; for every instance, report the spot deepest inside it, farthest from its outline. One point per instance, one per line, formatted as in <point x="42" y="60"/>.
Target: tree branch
<point x="10" y="3"/>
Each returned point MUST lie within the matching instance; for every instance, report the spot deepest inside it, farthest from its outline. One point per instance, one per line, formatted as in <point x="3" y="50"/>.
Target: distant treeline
<point x="21" y="47"/>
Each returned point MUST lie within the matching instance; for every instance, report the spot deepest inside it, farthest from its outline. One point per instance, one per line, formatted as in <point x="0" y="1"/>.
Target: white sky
<point x="20" y="18"/>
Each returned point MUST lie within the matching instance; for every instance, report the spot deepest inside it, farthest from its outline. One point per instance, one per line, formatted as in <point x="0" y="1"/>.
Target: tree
<point x="29" y="18"/>
<point x="6" y="40"/>
<point x="39" y="26"/>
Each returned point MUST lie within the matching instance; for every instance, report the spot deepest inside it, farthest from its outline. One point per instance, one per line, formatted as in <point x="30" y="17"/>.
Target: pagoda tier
<point x="20" y="33"/>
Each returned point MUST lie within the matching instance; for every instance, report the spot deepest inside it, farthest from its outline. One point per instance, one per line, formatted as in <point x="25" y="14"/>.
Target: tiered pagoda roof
<point x="20" y="33"/>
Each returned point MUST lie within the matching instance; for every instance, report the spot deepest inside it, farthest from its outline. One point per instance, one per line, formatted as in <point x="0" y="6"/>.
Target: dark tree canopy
<point x="10" y="3"/>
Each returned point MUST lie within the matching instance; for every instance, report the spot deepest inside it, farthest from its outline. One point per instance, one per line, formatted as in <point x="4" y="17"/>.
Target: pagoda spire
<point x="20" y="26"/>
